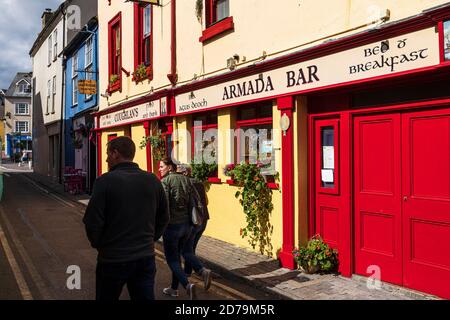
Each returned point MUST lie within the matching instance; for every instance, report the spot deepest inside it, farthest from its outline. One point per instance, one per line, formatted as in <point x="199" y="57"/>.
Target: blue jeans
<point x="191" y="260"/>
<point x="139" y="276"/>
<point x="174" y="240"/>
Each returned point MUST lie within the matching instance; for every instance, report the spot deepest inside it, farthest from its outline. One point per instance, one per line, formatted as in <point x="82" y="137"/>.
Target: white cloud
<point x="21" y="23"/>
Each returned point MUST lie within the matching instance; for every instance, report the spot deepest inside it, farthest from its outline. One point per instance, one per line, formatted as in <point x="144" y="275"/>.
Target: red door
<point x="328" y="206"/>
<point x="377" y="196"/>
<point x="426" y="201"/>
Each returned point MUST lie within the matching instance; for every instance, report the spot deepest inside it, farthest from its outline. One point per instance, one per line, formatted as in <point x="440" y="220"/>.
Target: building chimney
<point x="46" y="17"/>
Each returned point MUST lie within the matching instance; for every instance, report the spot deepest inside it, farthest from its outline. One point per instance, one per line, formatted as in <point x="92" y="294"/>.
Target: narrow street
<point x="41" y="235"/>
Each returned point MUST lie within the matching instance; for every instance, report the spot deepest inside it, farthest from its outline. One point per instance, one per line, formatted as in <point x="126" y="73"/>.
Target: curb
<point x="54" y="190"/>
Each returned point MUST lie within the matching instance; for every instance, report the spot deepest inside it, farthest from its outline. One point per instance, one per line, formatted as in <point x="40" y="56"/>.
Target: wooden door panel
<point x="377" y="196"/>
<point x="426" y="201"/>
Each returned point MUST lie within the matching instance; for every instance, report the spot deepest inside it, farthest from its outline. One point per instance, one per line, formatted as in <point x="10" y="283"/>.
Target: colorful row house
<point x="351" y="108"/>
<point x="61" y="117"/>
<point x="81" y="64"/>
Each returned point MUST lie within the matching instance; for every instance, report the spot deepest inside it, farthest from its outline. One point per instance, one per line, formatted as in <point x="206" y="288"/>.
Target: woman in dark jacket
<point x="191" y="260"/>
<point x="178" y="189"/>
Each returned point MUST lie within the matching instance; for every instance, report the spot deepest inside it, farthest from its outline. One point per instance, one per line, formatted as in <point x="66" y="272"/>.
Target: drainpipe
<point x="173" y="77"/>
<point x="62" y="126"/>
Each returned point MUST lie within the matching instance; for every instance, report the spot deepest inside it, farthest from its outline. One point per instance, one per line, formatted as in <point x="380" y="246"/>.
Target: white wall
<point x="44" y="72"/>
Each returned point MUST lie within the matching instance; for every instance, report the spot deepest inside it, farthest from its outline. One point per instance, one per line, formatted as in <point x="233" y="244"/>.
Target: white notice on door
<point x="327" y="175"/>
<point x="328" y="157"/>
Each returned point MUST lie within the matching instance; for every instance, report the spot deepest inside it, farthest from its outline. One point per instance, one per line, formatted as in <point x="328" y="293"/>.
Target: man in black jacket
<point x="126" y="214"/>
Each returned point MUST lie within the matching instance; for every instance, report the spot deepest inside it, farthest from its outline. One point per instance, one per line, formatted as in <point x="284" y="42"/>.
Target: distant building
<point x="59" y="28"/>
<point x="47" y="93"/>
<point x="18" y="115"/>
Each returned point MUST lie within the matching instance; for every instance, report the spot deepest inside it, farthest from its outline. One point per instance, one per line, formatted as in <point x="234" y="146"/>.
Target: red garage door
<point x="402" y="198"/>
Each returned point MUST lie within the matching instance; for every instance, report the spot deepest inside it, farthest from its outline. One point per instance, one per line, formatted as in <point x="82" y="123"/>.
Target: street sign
<point x="87" y="87"/>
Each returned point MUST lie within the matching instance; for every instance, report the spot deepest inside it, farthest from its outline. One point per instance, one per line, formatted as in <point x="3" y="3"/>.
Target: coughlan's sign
<point x="144" y="111"/>
<point x="394" y="55"/>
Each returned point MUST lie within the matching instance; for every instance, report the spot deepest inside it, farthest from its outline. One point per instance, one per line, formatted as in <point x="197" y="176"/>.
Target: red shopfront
<point x="378" y="148"/>
<point x="379" y="176"/>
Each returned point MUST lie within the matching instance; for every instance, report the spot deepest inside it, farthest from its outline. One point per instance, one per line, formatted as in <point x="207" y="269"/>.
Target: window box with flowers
<point x="316" y="256"/>
<point x="142" y="73"/>
<point x="114" y="83"/>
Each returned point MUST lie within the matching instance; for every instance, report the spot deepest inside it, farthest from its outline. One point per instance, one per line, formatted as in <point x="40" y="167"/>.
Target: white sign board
<point x="144" y="111"/>
<point x="404" y="53"/>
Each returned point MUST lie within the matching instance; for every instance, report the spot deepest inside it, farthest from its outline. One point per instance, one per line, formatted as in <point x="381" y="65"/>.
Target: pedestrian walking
<point x="126" y="214"/>
<point x="191" y="260"/>
<point x="178" y="189"/>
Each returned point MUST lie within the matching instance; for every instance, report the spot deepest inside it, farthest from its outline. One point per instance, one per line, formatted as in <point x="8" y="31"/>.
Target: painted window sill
<point x="115" y="87"/>
<point x="271" y="185"/>
<point x="214" y="180"/>
<point x="216" y="29"/>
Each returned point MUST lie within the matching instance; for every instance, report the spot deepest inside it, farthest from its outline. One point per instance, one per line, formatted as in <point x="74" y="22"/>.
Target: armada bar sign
<point x="144" y="111"/>
<point x="411" y="51"/>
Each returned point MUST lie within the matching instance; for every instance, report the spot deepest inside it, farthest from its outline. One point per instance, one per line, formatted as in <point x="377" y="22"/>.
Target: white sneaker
<point x="191" y="291"/>
<point x="206" y="275"/>
<point x="170" y="292"/>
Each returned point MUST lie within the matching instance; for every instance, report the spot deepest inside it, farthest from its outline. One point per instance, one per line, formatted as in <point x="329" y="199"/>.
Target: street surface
<point x="42" y="235"/>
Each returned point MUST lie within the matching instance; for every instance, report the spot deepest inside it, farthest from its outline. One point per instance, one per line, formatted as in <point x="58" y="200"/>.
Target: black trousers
<point x="139" y="276"/>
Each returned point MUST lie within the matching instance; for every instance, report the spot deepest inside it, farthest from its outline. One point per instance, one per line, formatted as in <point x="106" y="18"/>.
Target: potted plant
<point x="316" y="256"/>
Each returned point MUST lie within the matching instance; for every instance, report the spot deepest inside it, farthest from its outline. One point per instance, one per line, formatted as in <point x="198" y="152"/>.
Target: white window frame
<point x="54" y="94"/>
<point x="16" y="122"/>
<point x="49" y="91"/>
<point x="75" y="65"/>
<point x="17" y="110"/>
<point x="50" y="50"/>
<point x="22" y="84"/>
<point x="74" y="91"/>
<point x="55" y="44"/>
<point x="89" y="52"/>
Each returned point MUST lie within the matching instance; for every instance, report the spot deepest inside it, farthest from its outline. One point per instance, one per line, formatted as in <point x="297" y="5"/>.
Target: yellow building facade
<point x="307" y="72"/>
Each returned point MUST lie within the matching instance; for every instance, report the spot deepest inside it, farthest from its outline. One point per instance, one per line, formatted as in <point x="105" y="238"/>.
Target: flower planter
<point x="309" y="269"/>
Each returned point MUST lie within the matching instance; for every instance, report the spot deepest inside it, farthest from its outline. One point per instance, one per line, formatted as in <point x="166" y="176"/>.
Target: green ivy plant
<point x="158" y="146"/>
<point x="255" y="198"/>
<point x="316" y="256"/>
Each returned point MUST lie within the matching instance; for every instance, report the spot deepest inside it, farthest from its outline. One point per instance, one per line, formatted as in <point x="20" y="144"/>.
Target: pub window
<point x="255" y="137"/>
<point x="204" y="138"/>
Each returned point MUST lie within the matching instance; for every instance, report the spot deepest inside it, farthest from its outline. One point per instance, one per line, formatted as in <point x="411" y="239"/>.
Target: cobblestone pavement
<point x="264" y="273"/>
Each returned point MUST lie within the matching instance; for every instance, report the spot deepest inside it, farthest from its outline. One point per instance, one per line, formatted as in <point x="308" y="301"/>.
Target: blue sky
<point x="21" y="23"/>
